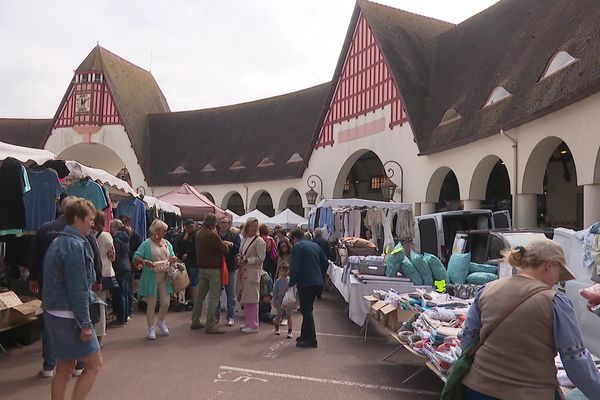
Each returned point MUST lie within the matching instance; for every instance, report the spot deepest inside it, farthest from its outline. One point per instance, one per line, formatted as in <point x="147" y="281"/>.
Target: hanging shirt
<point x="108" y="213"/>
<point x="89" y="190"/>
<point x="40" y="201"/>
<point x="134" y="208"/>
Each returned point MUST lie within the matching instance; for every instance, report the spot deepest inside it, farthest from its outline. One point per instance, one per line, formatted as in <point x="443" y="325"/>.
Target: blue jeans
<point x="48" y="355"/>
<point x="307" y="299"/>
<point x="121" y="296"/>
<point x="230" y="292"/>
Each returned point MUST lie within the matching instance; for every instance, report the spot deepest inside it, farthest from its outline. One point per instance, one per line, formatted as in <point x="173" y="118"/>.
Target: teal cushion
<point x="394" y="262"/>
<point x="481" y="278"/>
<point x="409" y="271"/>
<point x="422" y="268"/>
<point x="458" y="267"/>
<point x="437" y="268"/>
<point x="474" y="267"/>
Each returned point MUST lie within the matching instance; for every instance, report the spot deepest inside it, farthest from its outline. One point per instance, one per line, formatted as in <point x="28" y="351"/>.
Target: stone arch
<point x="209" y="196"/>
<point x="533" y="174"/>
<point x="434" y="186"/>
<point x="338" y="190"/>
<point x="597" y="168"/>
<point x="481" y="176"/>
<point x="444" y="182"/>
<point x="261" y="200"/>
<point x="94" y="155"/>
<point x="292" y="199"/>
<point x="234" y="202"/>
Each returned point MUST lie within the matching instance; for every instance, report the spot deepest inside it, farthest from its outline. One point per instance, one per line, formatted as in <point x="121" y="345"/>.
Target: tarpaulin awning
<point x="192" y="203"/>
<point x="25" y="154"/>
<point x="287" y="219"/>
<point x="161" y="205"/>
<point x="80" y="171"/>
<point x="262" y="218"/>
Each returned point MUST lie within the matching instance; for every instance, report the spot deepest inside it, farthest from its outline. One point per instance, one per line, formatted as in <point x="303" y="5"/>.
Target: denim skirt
<point x="66" y="343"/>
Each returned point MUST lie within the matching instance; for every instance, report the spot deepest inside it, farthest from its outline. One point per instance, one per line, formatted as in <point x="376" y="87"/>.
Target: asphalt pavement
<point x="193" y="365"/>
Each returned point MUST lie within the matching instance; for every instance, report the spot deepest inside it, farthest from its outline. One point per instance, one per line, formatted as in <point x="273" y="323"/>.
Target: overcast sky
<point x="205" y="53"/>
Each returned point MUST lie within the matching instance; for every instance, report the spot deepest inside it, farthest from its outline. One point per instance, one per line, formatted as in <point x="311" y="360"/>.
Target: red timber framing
<point x="365" y="84"/>
<point x="102" y="108"/>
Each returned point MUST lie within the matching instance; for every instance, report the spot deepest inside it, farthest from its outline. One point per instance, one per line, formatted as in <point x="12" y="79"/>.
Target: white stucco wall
<point x="117" y="148"/>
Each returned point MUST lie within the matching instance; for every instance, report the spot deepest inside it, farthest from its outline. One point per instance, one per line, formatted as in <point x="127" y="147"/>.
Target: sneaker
<point x="242" y="327"/>
<point x="197" y="325"/>
<point x="162" y="326"/>
<point x="116" y="323"/>
<point x="77" y="372"/>
<point x="47" y="373"/>
<point x="249" y="330"/>
<point x="276" y="331"/>
<point x="129" y="318"/>
<point x="214" y="330"/>
<point x="284" y="322"/>
<point x="290" y="335"/>
<point x="152" y="333"/>
<point x="230" y="322"/>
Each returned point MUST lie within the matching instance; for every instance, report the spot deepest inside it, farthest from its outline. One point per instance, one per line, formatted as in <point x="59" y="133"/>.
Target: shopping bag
<point x="290" y="299"/>
<point x="179" y="277"/>
<point x="224" y="272"/>
<point x="454" y="388"/>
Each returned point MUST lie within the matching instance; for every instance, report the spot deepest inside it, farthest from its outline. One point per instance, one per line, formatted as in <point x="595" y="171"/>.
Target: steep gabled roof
<point x="510" y="44"/>
<point x="135" y="92"/>
<point x="240" y="134"/>
<point x="24" y="132"/>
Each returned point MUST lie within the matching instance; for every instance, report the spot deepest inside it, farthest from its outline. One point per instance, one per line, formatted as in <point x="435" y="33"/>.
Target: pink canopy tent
<point x="192" y="203"/>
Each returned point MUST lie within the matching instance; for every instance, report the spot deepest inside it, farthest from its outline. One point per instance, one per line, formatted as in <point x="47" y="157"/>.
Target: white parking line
<point x="330" y="381"/>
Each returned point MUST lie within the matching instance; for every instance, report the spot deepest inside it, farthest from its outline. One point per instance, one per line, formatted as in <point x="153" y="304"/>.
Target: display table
<point x="354" y="290"/>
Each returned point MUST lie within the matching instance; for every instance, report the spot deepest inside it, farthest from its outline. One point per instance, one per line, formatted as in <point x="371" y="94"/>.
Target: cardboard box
<point x="386" y="312"/>
<point x="396" y="320"/>
<point x="13" y="311"/>
<point x="378" y="305"/>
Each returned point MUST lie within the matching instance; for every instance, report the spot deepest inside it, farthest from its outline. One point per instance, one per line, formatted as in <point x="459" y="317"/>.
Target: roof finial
<point x="97" y="43"/>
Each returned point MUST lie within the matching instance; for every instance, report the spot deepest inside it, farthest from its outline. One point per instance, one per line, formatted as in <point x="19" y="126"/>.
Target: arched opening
<point x="264" y="204"/>
<point x="491" y="184"/>
<point x="361" y="177"/>
<point x="561" y="201"/>
<point x="291" y="199"/>
<point x="209" y="196"/>
<point x="234" y="202"/>
<point x="443" y="190"/>
<point x="551" y="174"/>
<point x="94" y="155"/>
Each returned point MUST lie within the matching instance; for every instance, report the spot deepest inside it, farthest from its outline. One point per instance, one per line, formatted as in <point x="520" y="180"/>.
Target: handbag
<point x="95" y="313"/>
<point x="224" y="272"/>
<point x="179" y="277"/>
<point x="454" y="388"/>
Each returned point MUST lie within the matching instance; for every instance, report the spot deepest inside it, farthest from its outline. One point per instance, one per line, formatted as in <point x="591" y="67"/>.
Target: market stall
<point x="25" y="154"/>
<point x="287" y="219"/>
<point x="262" y="218"/>
<point x="191" y="203"/>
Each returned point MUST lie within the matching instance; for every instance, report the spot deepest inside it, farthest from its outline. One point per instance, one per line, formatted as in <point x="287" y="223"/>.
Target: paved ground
<point x="193" y="365"/>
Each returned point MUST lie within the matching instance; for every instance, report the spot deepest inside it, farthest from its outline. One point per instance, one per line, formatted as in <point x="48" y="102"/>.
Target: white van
<point x="589" y="322"/>
<point x="434" y="233"/>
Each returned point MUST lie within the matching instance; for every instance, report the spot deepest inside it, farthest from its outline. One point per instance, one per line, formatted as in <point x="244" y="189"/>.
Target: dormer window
<point x="180" y="170"/>
<point x="265" y="162"/>
<point x="295" y="158"/>
<point x="559" y="61"/>
<point x="208" y="168"/>
<point x="498" y="94"/>
<point x="237" y="165"/>
<point x="450" y="116"/>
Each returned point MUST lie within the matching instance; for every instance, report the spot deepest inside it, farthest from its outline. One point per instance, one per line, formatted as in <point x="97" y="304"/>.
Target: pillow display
<point x="437" y="268"/>
<point x="458" y="267"/>
<point x="409" y="271"/>
<point x="394" y="261"/>
<point x="422" y="268"/>
<point x="481" y="278"/>
<point x="474" y="267"/>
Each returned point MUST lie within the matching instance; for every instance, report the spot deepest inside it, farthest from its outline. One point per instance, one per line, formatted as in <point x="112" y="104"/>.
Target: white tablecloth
<point x="355" y="289"/>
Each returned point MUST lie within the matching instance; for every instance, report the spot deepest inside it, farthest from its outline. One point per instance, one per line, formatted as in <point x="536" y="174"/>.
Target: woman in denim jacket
<point x="68" y="278"/>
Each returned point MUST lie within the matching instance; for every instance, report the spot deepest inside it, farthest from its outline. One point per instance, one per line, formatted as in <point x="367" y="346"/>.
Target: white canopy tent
<point x="262" y="218"/>
<point x="287" y="219"/>
<point x="25" y="154"/>
<point x="161" y="205"/>
<point x="231" y="214"/>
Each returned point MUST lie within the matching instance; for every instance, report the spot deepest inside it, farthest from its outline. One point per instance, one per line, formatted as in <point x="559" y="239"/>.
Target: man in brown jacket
<point x="210" y="250"/>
